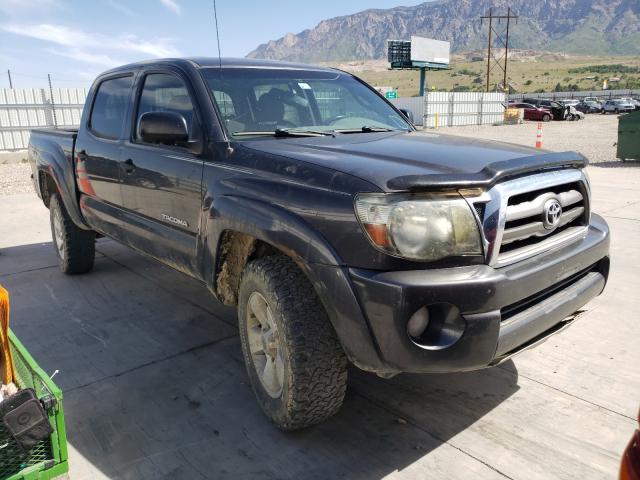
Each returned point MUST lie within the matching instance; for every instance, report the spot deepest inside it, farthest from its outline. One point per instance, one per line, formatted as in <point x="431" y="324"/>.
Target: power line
<point x="44" y="76"/>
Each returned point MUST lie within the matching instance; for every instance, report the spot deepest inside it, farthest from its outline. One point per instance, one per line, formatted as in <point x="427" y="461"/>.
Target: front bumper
<point x="504" y="309"/>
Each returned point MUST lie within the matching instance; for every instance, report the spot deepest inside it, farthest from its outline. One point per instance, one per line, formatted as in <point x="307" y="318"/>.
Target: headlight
<point x="420" y="227"/>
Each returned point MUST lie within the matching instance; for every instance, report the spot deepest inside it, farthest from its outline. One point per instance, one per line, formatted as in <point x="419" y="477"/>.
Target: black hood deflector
<point x="489" y="175"/>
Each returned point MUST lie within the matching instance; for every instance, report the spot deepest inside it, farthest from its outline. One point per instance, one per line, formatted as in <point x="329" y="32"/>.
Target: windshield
<point x="254" y="101"/>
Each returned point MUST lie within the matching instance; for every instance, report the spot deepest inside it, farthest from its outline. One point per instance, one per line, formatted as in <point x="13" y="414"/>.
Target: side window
<point x="110" y="107"/>
<point x="163" y="92"/>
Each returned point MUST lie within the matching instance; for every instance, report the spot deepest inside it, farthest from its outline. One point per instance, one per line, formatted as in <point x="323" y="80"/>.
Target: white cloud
<point x="93" y="47"/>
<point x="172" y="5"/>
<point x="121" y="8"/>
<point x="21" y="7"/>
<point x="57" y="34"/>
<point x="102" y="59"/>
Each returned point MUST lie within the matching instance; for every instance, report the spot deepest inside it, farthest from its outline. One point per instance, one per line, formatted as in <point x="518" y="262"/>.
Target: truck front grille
<point x="533" y="214"/>
<point x="526" y="222"/>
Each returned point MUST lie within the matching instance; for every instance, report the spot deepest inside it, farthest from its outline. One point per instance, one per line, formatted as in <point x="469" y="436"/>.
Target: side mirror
<point x="168" y="128"/>
<point x="407" y="113"/>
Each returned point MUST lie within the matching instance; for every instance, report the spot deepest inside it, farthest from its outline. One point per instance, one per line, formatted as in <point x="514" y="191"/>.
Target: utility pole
<point x="10" y="82"/>
<point x="504" y="42"/>
<point x="489" y="45"/>
<point x="506" y="50"/>
<point x="53" y="103"/>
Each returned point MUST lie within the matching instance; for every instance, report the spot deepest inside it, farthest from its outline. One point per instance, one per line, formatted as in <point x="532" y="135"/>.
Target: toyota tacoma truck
<point x="303" y="197"/>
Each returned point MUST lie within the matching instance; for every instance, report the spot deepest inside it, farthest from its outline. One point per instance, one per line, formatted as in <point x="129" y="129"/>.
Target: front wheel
<point x="546" y="118"/>
<point x="295" y="363"/>
<point x="75" y="247"/>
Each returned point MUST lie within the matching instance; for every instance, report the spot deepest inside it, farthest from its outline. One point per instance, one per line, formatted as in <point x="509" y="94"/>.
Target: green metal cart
<point x="48" y="459"/>
<point x="629" y="136"/>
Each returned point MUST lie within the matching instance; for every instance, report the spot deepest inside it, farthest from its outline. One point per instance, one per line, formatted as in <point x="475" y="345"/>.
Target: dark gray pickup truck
<point x="302" y="196"/>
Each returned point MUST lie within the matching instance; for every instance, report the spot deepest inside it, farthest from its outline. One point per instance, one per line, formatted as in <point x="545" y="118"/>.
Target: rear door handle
<point x="129" y="166"/>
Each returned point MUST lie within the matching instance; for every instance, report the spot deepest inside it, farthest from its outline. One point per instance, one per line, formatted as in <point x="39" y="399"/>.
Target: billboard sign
<point x="429" y="50"/>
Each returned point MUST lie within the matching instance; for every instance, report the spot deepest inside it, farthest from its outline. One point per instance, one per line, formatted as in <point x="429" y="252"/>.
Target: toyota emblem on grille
<point x="551" y="214"/>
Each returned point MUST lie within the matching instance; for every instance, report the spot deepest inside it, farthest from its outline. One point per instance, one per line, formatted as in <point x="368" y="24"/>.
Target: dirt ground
<point x="595" y="136"/>
<point x="15" y="178"/>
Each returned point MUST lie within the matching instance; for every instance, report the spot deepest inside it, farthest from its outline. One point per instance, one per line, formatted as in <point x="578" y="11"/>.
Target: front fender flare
<point x="290" y="234"/>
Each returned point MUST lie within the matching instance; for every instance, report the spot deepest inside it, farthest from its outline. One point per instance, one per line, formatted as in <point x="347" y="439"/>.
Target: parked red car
<point x="531" y="112"/>
<point x="630" y="468"/>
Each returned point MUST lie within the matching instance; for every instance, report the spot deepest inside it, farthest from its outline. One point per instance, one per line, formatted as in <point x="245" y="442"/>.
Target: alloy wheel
<point x="264" y="345"/>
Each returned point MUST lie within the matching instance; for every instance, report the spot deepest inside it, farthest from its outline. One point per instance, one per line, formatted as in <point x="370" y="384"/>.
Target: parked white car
<point x="618" y="106"/>
<point x="572" y="102"/>
<point x="574" y="114"/>
<point x="632" y="101"/>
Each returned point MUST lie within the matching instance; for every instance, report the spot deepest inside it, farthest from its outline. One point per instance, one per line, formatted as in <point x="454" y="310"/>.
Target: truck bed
<point x="60" y="132"/>
<point x="52" y="150"/>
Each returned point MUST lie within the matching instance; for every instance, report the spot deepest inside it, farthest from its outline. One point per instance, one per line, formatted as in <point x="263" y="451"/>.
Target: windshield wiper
<point x="365" y="129"/>
<point x="284" y="132"/>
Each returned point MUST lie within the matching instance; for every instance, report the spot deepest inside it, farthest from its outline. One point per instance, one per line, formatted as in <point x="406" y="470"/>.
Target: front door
<point x="161" y="184"/>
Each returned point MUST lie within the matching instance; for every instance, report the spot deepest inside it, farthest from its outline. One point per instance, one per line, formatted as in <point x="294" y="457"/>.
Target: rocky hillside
<point x="573" y="26"/>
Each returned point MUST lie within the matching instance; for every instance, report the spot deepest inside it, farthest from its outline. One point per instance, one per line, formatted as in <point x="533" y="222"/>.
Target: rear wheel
<point x="546" y="117"/>
<point x="295" y="363"/>
<point x="75" y="247"/>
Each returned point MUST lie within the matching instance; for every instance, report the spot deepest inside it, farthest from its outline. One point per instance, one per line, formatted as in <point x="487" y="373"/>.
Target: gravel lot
<point x="15" y="178"/>
<point x="594" y="137"/>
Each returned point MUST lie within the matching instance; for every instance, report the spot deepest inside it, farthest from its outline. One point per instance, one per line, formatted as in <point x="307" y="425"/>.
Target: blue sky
<point x="76" y="39"/>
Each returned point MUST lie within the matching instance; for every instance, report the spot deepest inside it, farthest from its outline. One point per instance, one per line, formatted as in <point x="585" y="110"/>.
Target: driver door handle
<point x="129" y="166"/>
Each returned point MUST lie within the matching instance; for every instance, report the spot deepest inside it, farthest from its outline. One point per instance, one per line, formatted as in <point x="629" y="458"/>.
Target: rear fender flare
<point x="60" y="169"/>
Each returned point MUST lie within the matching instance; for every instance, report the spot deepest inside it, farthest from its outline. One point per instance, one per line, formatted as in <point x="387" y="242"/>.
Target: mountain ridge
<point x="571" y="26"/>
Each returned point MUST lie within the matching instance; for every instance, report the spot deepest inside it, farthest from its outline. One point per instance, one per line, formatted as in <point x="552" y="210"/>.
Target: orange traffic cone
<point x="539" y="136"/>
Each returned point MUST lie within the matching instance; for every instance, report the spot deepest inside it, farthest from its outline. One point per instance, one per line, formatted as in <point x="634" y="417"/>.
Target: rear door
<point x="99" y="143"/>
<point x="161" y="186"/>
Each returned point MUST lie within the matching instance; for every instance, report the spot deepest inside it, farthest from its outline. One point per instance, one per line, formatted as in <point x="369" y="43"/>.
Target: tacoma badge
<point x="177" y="221"/>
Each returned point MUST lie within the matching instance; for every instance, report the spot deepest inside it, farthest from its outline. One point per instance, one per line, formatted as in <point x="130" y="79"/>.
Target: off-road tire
<point x="77" y="252"/>
<point x="315" y="366"/>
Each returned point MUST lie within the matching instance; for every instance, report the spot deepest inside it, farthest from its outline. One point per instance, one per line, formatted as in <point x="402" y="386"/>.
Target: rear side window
<point x="110" y="107"/>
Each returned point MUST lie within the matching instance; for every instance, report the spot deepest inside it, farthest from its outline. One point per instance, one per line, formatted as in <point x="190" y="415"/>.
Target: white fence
<point x="25" y="108"/>
<point x="447" y="109"/>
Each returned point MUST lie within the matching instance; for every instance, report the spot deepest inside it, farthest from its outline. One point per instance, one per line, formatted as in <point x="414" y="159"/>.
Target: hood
<point x="415" y="160"/>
